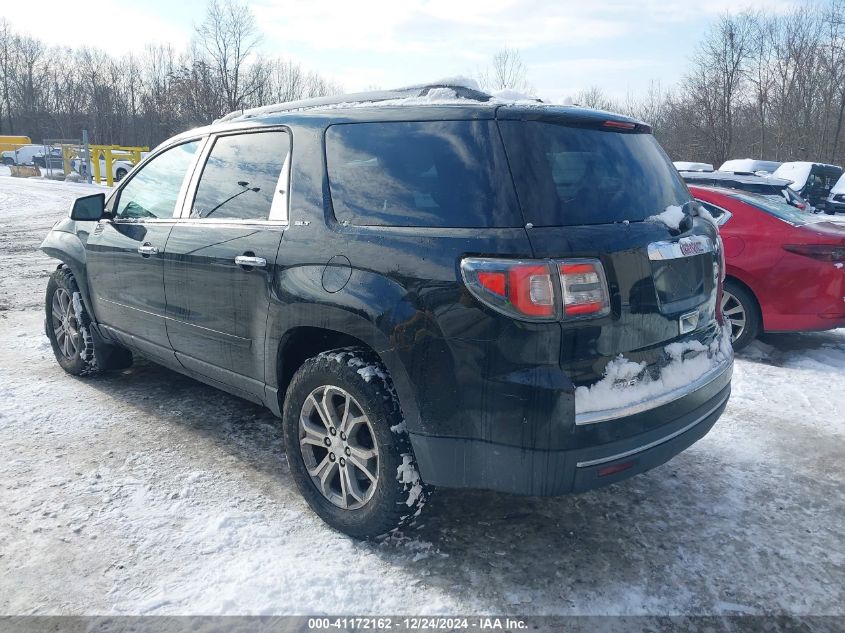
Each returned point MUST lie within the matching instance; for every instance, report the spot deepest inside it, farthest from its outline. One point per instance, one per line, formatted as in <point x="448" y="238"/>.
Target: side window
<point x="426" y="174"/>
<point x="154" y="190"/>
<point x="241" y="178"/>
<point x="719" y="214"/>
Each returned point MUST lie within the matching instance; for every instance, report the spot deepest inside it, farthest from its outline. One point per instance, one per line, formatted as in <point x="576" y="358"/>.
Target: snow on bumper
<point x="628" y="388"/>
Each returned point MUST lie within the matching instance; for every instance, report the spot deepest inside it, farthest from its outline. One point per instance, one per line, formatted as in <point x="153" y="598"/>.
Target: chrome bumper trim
<point x="658" y="442"/>
<point x="592" y="417"/>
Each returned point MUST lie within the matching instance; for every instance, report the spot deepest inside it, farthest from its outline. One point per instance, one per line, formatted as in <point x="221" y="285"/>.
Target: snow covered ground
<point x="147" y="492"/>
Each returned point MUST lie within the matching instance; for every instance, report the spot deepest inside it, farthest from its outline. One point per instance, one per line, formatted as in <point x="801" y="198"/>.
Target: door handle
<point x="147" y="249"/>
<point x="250" y="261"/>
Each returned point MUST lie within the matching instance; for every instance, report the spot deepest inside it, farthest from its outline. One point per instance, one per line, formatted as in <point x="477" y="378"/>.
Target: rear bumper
<point x="835" y="206"/>
<point x="474" y="463"/>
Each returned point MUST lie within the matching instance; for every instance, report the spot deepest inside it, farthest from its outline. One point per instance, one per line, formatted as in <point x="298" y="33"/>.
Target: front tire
<point x="347" y="446"/>
<point x="68" y="325"/>
<point x="740" y="310"/>
<point x="120" y="174"/>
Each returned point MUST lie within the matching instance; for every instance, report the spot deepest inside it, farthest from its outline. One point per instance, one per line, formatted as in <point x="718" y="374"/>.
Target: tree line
<point x="760" y="85"/>
<point x="142" y="99"/>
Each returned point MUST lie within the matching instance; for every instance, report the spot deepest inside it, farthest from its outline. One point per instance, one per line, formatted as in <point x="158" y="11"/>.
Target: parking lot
<point x="147" y="492"/>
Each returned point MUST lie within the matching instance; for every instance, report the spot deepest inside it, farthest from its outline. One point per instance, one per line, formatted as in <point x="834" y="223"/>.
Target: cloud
<point x="110" y="25"/>
<point x="471" y="28"/>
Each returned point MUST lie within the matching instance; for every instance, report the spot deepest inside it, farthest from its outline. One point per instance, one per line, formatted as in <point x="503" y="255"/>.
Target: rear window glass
<point x="425" y="174"/>
<point x="779" y="209"/>
<point x="569" y="175"/>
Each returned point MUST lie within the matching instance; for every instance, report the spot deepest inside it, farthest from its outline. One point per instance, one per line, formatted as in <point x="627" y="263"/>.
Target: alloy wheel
<point x="65" y="323"/>
<point x="338" y="446"/>
<point x="734" y="312"/>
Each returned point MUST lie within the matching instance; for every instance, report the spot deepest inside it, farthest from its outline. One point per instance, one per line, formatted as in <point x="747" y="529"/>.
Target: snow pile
<point x="627" y="383"/>
<point x="839" y="187"/>
<point x="408" y="475"/>
<point x="671" y="217"/>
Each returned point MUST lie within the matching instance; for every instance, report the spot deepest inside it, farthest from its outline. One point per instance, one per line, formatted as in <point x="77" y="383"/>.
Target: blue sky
<point x="618" y="45"/>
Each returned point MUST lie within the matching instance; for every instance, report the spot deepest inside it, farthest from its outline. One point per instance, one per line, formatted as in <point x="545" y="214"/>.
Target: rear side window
<point x="241" y="177"/>
<point x="573" y="175"/>
<point x="778" y="208"/>
<point x="422" y="174"/>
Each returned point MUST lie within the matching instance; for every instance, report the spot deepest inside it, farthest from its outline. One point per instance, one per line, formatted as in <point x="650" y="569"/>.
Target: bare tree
<point x="6" y="66"/>
<point x="506" y="71"/>
<point x="594" y="97"/>
<point x="717" y="79"/>
<point x="226" y="38"/>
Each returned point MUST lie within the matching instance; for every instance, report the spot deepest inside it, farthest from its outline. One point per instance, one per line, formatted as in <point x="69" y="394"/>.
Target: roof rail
<point x="461" y="92"/>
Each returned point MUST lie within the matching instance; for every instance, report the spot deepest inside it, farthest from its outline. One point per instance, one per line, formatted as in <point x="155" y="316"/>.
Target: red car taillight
<point x="824" y="252"/>
<point x="719" y="278"/>
<point x="527" y="290"/>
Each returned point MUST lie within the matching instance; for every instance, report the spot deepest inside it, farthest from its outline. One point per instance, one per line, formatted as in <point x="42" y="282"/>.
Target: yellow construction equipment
<point x="11" y="143"/>
<point x="108" y="154"/>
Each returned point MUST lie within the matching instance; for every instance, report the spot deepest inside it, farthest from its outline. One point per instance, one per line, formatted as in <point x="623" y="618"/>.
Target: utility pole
<point x="86" y="156"/>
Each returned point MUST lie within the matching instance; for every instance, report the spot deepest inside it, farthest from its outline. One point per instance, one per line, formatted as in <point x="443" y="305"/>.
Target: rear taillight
<point x="538" y="290"/>
<point x="584" y="288"/>
<point x="823" y="252"/>
<point x="519" y="288"/>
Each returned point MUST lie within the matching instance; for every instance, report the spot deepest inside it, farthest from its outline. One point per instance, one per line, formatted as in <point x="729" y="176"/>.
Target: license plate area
<point x="683" y="272"/>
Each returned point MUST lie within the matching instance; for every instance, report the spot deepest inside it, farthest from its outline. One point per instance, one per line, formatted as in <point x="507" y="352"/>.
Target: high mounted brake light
<point x="620" y="125"/>
<point x="539" y="290"/>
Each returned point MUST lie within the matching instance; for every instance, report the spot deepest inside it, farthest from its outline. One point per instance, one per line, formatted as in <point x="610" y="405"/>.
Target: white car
<point x="120" y="167"/>
<point x="30" y="155"/>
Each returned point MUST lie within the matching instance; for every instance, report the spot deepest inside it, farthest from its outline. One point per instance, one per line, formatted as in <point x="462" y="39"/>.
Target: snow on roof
<point x="749" y="165"/>
<point x="839" y="187"/>
<point x="458" y="81"/>
<point x="682" y="165"/>
<point x="448" y="92"/>
<point x="798" y="171"/>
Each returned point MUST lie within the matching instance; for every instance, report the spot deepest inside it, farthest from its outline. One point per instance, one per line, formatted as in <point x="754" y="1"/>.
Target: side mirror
<point x="89" y="208"/>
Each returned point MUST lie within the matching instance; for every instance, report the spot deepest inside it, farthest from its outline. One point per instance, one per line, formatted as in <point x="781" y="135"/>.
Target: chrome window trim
<point x="603" y="415"/>
<point x="657" y="442"/>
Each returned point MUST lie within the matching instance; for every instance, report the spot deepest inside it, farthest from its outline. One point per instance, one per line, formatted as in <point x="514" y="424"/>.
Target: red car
<point x="785" y="267"/>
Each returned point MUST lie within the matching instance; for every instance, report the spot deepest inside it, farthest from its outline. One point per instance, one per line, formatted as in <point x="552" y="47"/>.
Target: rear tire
<point x="120" y="174"/>
<point x="742" y="313"/>
<point x="363" y="484"/>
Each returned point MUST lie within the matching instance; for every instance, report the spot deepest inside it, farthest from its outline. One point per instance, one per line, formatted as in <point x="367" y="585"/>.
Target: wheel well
<point x="302" y="343"/>
<point x="748" y="289"/>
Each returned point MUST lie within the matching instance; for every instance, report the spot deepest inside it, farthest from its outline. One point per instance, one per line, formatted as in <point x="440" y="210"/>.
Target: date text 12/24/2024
<point x="417" y="623"/>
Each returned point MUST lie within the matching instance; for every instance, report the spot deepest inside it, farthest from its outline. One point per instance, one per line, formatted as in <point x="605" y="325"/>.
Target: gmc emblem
<point x="692" y="248"/>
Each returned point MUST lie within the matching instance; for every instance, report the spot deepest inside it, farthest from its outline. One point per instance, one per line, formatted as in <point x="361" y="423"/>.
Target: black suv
<point x="468" y="293"/>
